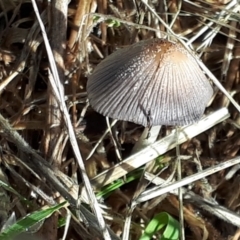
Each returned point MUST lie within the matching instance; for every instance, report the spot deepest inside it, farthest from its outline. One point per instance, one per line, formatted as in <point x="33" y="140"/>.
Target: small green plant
<point x="113" y="23"/>
<point x="110" y="22"/>
<point x="166" y="223"/>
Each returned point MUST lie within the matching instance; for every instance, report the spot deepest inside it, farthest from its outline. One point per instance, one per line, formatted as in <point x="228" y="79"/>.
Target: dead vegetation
<point x="37" y="152"/>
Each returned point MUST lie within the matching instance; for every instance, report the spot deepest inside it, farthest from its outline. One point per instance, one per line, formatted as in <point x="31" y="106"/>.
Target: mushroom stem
<point x="148" y="137"/>
<point x="180" y="194"/>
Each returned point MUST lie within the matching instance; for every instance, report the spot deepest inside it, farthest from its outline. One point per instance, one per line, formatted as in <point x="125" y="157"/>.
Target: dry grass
<point x="39" y="155"/>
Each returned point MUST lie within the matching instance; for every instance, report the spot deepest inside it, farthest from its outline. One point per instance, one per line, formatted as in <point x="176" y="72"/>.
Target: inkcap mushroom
<point x="153" y="82"/>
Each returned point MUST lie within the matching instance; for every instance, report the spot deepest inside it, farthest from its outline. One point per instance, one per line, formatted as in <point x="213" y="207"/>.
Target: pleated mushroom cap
<point x="152" y="82"/>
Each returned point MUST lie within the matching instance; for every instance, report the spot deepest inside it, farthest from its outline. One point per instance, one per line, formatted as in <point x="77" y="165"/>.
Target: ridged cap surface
<point x="152" y="82"/>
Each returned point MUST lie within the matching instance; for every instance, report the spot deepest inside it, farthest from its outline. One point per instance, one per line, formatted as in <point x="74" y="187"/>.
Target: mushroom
<point x="153" y="82"/>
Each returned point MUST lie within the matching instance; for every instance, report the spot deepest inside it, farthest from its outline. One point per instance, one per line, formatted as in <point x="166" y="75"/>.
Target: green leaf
<point x="107" y="190"/>
<point x="27" y="222"/>
<point x="164" y="221"/>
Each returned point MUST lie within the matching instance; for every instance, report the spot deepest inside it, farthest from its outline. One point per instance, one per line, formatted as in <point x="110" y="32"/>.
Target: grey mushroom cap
<point x="152" y="82"/>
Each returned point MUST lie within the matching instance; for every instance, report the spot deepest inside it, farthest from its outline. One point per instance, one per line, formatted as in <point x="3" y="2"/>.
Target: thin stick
<point x="158" y="148"/>
<point x="58" y="91"/>
<point x="101" y="139"/>
<point x="156" y="191"/>
<point x="114" y="141"/>
<point x="212" y="207"/>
